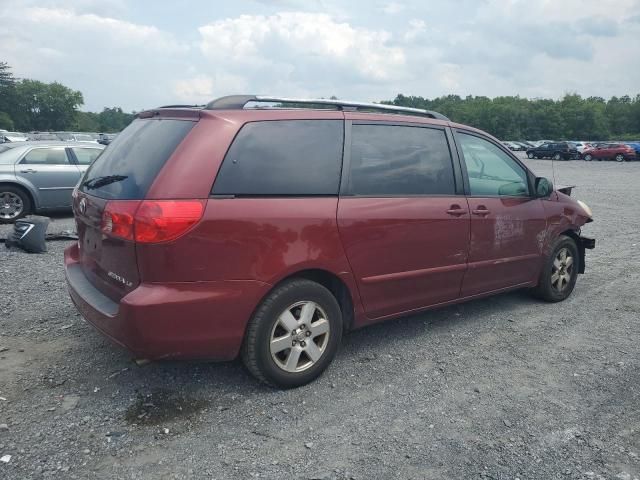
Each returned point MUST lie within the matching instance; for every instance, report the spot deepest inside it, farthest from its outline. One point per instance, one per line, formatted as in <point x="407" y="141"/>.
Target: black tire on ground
<point x="557" y="156"/>
<point x="588" y="157"/>
<point x="557" y="279"/>
<point x="8" y="191"/>
<point x="619" y="158"/>
<point x="256" y="350"/>
<point x="530" y="155"/>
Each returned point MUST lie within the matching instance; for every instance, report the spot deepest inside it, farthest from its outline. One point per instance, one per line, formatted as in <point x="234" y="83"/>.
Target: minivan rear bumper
<point x="188" y="320"/>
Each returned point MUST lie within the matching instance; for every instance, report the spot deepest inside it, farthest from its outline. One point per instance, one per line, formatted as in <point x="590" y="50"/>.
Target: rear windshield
<point x="127" y="167"/>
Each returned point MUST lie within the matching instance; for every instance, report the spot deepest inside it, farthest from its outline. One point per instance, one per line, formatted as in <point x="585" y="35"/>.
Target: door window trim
<point x="463" y="165"/>
<point x="74" y="158"/>
<point x="226" y="196"/>
<point x="346" y="160"/>
<point x="53" y="147"/>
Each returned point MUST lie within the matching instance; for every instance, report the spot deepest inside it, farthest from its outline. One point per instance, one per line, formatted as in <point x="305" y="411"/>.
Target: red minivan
<point x="267" y="232"/>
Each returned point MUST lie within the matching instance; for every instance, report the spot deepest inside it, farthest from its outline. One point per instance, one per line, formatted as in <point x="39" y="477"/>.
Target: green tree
<point x="5" y="121"/>
<point x="113" y="119"/>
<point x="45" y="106"/>
<point x="513" y="118"/>
<point x="7" y="96"/>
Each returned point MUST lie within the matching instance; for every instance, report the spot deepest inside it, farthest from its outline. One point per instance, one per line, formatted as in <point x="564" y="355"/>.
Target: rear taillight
<point x="151" y="221"/>
<point x="164" y="220"/>
<point x="118" y="218"/>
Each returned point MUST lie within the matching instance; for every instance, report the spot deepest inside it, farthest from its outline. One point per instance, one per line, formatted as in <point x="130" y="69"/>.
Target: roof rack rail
<point x="182" y="106"/>
<point x="238" y="102"/>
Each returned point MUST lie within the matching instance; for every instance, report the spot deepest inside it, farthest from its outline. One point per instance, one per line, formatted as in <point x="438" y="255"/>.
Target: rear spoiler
<point x="566" y="189"/>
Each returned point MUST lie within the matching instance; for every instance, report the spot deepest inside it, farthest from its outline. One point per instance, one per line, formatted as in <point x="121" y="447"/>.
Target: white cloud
<point x="303" y="47"/>
<point x="118" y="53"/>
<point x="392" y="8"/>
<point x="120" y="33"/>
<point x="201" y="89"/>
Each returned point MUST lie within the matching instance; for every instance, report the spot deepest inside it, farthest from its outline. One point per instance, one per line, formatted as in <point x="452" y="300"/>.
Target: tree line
<point x="514" y="118"/>
<point x="31" y="105"/>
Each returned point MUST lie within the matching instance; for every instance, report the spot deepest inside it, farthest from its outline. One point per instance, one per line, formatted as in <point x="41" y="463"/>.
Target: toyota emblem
<point x="82" y="206"/>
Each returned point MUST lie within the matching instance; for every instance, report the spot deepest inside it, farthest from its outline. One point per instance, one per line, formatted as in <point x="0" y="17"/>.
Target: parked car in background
<point x="636" y="148"/>
<point x="523" y="146"/>
<point x="223" y="231"/>
<point x="610" y="151"/>
<point x="515" y="146"/>
<point x="106" y="138"/>
<point x="37" y="176"/>
<point x="75" y="137"/>
<point x="554" y="150"/>
<point x="42" y="136"/>
<point x="581" y="146"/>
<point x="7" y="137"/>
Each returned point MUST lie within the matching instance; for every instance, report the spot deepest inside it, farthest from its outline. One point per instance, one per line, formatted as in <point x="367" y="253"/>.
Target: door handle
<point x="481" y="211"/>
<point x="456" y="211"/>
<point x="29" y="170"/>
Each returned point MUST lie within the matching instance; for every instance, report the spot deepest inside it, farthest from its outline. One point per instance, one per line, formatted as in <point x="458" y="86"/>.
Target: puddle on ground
<point x="161" y="407"/>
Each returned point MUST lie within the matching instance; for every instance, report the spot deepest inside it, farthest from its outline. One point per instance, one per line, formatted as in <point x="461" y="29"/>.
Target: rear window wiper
<point x="102" y="181"/>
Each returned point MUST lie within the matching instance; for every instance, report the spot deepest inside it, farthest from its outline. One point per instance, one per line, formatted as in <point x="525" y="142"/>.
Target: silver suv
<point x="36" y="176"/>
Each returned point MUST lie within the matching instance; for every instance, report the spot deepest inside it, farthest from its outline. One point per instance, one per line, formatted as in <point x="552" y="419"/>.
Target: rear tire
<point x="557" y="156"/>
<point x="559" y="272"/>
<point x="619" y="158"/>
<point x="14" y="203"/>
<point x="530" y="155"/>
<point x="588" y="157"/>
<point x="293" y="335"/>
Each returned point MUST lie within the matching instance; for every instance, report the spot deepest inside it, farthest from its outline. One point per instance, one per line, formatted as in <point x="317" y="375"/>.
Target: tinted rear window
<point x="127" y="167"/>
<point x="400" y="160"/>
<point x="284" y="157"/>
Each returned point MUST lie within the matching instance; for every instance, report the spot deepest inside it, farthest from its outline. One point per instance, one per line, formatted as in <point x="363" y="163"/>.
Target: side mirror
<point x="543" y="187"/>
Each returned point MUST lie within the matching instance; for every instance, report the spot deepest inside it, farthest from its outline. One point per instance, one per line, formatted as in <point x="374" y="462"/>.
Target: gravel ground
<point x="502" y="388"/>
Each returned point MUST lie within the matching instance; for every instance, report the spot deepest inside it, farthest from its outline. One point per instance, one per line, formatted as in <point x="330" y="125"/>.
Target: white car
<point x="582" y="146"/>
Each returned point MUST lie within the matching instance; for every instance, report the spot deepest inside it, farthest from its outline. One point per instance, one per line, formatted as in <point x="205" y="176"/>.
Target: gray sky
<point x="143" y="53"/>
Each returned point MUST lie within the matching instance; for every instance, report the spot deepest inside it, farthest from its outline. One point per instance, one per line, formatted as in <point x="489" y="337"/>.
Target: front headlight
<point x="586" y="208"/>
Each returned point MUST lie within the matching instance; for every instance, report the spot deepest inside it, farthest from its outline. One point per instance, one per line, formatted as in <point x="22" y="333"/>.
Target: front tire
<point x="14" y="204"/>
<point x="619" y="158"/>
<point x="557" y="156"/>
<point x="530" y="155"/>
<point x="588" y="157"/>
<point x="560" y="271"/>
<point x="293" y="335"/>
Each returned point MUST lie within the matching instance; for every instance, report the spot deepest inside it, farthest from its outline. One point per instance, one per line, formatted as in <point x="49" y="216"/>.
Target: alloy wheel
<point x="562" y="270"/>
<point x="11" y="205"/>
<point x="619" y="158"/>
<point x="299" y="337"/>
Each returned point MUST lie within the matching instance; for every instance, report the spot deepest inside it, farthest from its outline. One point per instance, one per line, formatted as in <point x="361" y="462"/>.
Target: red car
<point x="268" y="232"/>
<point x="610" y="151"/>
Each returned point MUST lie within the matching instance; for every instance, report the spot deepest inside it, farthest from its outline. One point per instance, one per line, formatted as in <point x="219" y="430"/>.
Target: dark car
<point x="636" y="148"/>
<point x="106" y="138"/>
<point x="268" y="232"/>
<point x="610" y="151"/>
<point x="555" y="150"/>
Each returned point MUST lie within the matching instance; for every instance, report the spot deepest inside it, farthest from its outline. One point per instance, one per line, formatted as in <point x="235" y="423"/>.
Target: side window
<point x="491" y="171"/>
<point x="284" y="157"/>
<point x="86" y="156"/>
<point x="400" y="160"/>
<point x="46" y="156"/>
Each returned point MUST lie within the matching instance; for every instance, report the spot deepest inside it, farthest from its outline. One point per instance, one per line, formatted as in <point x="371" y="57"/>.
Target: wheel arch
<point x="24" y="188"/>
<point x="332" y="282"/>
